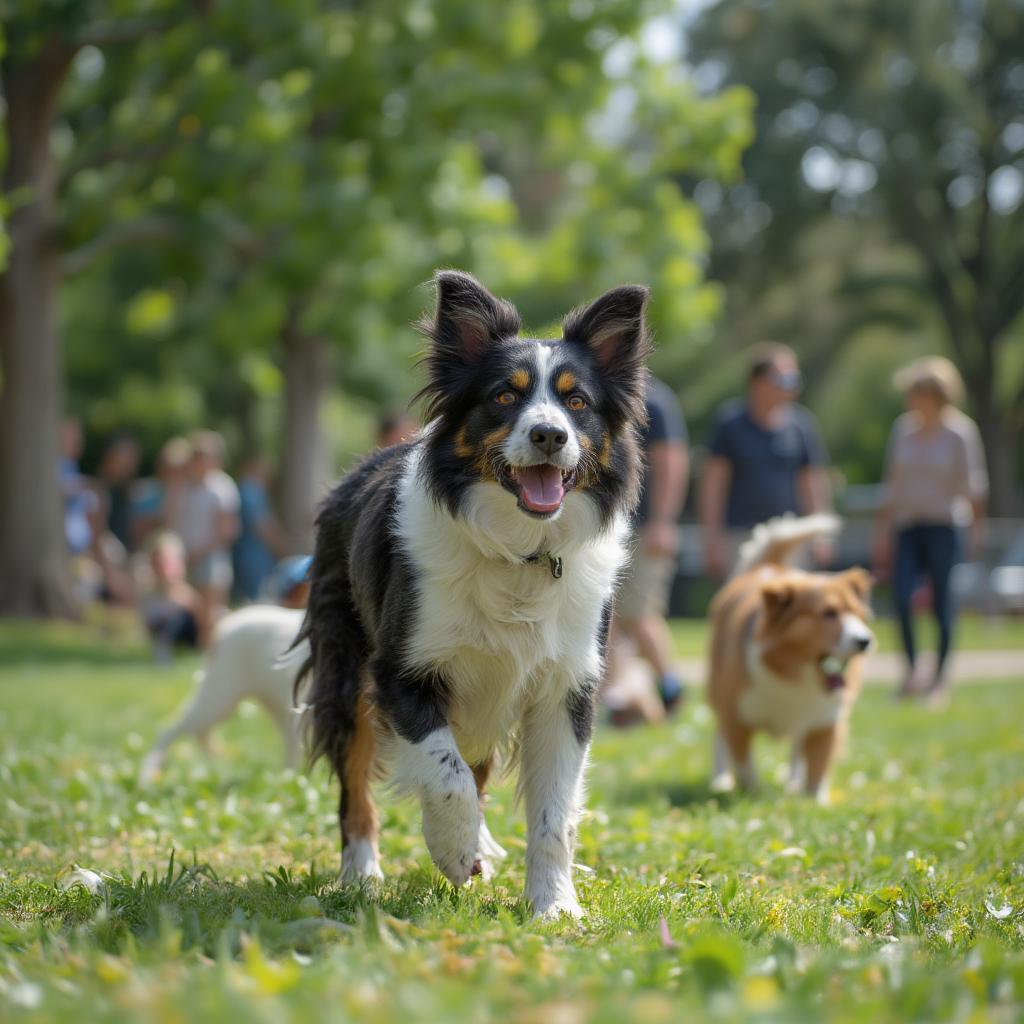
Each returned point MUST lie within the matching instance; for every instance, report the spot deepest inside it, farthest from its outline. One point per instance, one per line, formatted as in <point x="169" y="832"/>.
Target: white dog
<point x="246" y="662"/>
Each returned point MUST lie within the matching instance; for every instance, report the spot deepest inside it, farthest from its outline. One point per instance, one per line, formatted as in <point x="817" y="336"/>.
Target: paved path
<point x="886" y="667"/>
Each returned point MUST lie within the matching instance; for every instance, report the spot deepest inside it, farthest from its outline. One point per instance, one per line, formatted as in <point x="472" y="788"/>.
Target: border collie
<point x="462" y="583"/>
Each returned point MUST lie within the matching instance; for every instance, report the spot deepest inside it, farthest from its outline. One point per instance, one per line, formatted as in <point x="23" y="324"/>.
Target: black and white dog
<point x="461" y="583"/>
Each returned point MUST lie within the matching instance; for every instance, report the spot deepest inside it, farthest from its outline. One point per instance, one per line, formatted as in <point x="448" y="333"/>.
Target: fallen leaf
<point x="89" y="880"/>
<point x="667" y="942"/>
<point x="999" y="913"/>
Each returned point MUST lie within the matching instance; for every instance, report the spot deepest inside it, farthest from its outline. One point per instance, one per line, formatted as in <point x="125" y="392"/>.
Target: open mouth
<point x="540" y="488"/>
<point x="834" y="671"/>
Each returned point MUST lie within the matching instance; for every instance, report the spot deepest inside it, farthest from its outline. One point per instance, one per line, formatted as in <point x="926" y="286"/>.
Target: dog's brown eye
<point x="506" y="397"/>
<point x="577" y="402"/>
<point x="831" y="613"/>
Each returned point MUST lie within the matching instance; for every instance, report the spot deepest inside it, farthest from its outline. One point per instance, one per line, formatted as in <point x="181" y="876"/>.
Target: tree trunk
<point x="305" y="470"/>
<point x="1002" y="455"/>
<point x="34" y="580"/>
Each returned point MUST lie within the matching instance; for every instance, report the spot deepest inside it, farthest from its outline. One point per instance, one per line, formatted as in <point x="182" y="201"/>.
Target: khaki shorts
<point x="645" y="586"/>
<point x="215" y="570"/>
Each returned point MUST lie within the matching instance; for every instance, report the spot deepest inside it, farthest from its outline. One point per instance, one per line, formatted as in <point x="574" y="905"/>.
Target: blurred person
<point x="766" y="459"/>
<point x="98" y="564"/>
<point x="935" y="484"/>
<point x="395" y="426"/>
<point x="642" y="599"/>
<point x="116" y="479"/>
<point x="80" y="502"/>
<point x="208" y="526"/>
<point x="261" y="539"/>
<point x="157" y="501"/>
<point x="170" y="608"/>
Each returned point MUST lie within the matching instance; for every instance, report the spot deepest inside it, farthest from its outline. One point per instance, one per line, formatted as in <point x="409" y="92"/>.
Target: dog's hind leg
<point x="819" y="748"/>
<point x="736" y="739"/>
<point x="289" y="726"/>
<point x="797" y="768"/>
<point x="488" y="848"/>
<point x="722" y="778"/>
<point x="357" y="813"/>
<point x="209" y="705"/>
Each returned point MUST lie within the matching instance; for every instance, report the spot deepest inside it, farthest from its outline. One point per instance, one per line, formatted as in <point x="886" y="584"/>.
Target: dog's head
<point x="815" y="619"/>
<point x="537" y="418"/>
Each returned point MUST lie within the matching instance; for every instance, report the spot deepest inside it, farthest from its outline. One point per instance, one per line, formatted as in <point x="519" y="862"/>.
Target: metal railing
<point x="990" y="581"/>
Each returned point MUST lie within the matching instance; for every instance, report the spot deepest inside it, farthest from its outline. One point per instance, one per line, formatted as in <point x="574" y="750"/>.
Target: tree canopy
<point x="243" y="198"/>
<point x="882" y="198"/>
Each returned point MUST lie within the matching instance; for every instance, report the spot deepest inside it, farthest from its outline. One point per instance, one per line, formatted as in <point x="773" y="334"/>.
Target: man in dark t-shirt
<point x="765" y="457"/>
<point x="643" y="593"/>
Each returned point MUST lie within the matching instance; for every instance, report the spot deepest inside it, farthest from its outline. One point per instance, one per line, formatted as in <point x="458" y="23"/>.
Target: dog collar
<point x="554" y="562"/>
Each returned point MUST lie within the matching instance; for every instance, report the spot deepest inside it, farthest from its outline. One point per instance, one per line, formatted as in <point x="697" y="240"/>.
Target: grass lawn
<point x="903" y="901"/>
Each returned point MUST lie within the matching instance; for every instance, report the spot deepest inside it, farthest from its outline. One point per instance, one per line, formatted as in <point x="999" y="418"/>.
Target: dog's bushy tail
<point x="776" y="541"/>
<point x="326" y="688"/>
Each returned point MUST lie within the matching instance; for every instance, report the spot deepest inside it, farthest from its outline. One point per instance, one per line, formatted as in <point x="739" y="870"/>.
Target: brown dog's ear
<point x="859" y="581"/>
<point x="778" y="596"/>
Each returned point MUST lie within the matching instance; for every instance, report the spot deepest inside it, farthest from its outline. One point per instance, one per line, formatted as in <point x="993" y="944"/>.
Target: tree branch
<point x="114" y="31"/>
<point x="146" y="229"/>
<point x="134" y="155"/>
<point x="915" y="229"/>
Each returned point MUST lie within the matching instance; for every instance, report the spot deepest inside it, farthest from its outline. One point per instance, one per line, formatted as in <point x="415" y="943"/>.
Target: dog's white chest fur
<point x="787" y="707"/>
<point x="503" y="630"/>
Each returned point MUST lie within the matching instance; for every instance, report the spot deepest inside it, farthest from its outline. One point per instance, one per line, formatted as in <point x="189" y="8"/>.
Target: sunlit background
<point x="240" y="206"/>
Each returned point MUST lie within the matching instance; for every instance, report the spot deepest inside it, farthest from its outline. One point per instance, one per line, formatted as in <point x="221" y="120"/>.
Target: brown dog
<point x="786" y="650"/>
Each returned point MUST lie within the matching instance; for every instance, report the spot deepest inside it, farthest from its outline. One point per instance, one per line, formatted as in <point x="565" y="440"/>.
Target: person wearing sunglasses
<point x="766" y="458"/>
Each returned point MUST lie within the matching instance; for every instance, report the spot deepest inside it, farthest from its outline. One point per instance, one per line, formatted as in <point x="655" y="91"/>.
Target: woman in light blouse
<point x="935" y="485"/>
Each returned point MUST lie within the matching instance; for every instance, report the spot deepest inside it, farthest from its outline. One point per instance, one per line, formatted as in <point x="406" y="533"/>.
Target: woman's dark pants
<point x="931" y="550"/>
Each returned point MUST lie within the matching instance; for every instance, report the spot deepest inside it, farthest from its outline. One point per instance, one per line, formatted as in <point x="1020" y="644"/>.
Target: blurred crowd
<point x="178" y="546"/>
<point x="182" y="545"/>
<point x="765" y="458"/>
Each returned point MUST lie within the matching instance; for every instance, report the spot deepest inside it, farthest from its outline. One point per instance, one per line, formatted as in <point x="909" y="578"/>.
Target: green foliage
<point x="903" y="901"/>
<point x="306" y="161"/>
<point x="883" y="200"/>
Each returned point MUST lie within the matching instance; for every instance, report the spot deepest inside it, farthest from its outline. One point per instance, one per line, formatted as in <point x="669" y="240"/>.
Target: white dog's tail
<point x="775" y="542"/>
<point x="291" y="660"/>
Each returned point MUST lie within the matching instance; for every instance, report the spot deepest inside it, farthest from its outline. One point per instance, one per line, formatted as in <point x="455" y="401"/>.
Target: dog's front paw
<point x="360" y="862"/>
<point x="552" y="895"/>
<point x="451" y="827"/>
<point x="565" y="905"/>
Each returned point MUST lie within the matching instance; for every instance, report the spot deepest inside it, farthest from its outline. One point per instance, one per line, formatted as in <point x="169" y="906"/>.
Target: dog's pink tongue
<point x="541" y="487"/>
<point x="834" y="681"/>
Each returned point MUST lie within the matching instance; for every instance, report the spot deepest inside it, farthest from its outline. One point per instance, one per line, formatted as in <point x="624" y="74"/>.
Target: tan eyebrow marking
<point x="496" y="436"/>
<point x="520" y="379"/>
<point x="566" y="381"/>
<point x="462" y="448"/>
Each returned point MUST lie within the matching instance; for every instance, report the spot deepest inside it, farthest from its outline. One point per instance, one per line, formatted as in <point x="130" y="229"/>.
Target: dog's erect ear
<point x="614" y="328"/>
<point x="469" y="317"/>
<point x="778" y="597"/>
<point x="468" y="320"/>
<point x="859" y="581"/>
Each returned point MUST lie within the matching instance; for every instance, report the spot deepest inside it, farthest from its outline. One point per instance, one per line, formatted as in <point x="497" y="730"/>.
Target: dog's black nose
<point x="548" y="438"/>
<point x="863" y="643"/>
